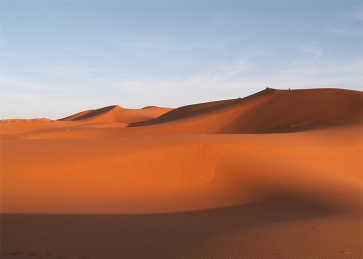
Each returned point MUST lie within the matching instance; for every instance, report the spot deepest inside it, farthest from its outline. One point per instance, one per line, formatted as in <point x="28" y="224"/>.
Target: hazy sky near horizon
<point x="61" y="57"/>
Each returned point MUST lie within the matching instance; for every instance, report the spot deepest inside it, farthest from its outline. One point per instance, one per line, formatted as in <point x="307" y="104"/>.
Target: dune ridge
<point x="268" y="111"/>
<point x="116" y="113"/>
<point x="274" y="111"/>
<point x="276" y="174"/>
<point x="112" y="116"/>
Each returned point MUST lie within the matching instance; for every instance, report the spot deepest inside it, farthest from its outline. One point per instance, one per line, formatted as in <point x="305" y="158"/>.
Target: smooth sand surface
<point x="277" y="174"/>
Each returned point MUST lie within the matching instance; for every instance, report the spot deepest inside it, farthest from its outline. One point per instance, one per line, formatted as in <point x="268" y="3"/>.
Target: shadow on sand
<point x="143" y="235"/>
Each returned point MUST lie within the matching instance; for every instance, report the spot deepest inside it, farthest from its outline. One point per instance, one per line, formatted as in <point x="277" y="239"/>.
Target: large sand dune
<point x="275" y="174"/>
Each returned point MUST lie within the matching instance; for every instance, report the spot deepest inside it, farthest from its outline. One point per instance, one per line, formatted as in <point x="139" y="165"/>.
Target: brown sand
<point x="276" y="174"/>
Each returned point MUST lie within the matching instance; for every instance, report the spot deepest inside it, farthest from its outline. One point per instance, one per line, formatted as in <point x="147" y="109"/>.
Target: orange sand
<point x="275" y="174"/>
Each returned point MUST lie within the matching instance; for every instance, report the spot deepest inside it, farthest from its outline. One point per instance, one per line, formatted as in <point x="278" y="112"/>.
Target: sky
<point x="58" y="58"/>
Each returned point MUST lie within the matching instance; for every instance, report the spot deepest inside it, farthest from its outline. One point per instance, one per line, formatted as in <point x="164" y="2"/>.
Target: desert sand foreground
<point x="277" y="174"/>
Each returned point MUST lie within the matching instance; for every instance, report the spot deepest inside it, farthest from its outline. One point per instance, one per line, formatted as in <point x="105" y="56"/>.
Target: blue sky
<point x="61" y="57"/>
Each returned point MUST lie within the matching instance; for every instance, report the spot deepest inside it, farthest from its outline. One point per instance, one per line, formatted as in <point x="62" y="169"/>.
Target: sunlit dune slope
<point x="178" y="173"/>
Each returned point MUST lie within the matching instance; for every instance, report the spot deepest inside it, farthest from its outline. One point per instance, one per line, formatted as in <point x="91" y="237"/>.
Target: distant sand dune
<point x="269" y="111"/>
<point x="117" y="114"/>
<point x="278" y="174"/>
<point x="111" y="116"/>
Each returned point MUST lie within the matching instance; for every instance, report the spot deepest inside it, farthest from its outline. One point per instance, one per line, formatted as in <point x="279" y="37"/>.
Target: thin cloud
<point x="313" y="51"/>
<point x="156" y="43"/>
<point x="358" y="15"/>
<point x="73" y="70"/>
<point x="11" y="55"/>
<point x="221" y="19"/>
<point x="236" y="67"/>
<point x="322" y="75"/>
<point x="30" y="105"/>
<point x="7" y="83"/>
<point x="343" y="33"/>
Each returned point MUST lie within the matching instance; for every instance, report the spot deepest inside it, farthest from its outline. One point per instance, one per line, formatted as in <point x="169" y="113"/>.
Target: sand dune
<point x="116" y="113"/>
<point x="275" y="174"/>
<point x="269" y="111"/>
<point x="111" y="116"/>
